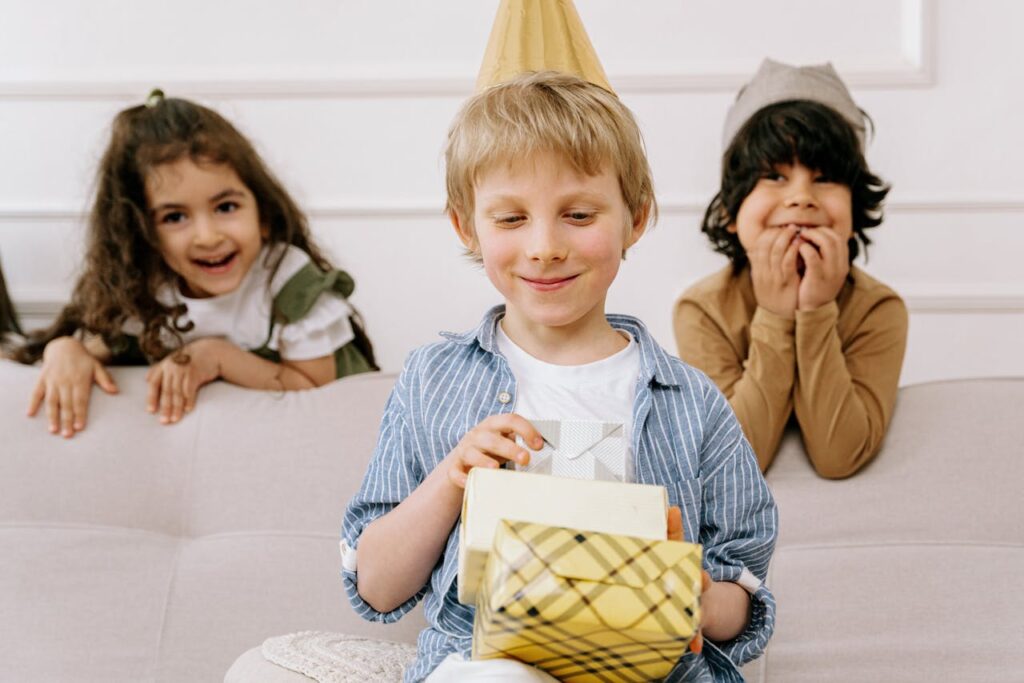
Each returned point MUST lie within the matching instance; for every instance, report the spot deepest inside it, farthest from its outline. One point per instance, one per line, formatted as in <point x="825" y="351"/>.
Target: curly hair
<point x="8" y="316"/>
<point x="798" y="130"/>
<point x="124" y="268"/>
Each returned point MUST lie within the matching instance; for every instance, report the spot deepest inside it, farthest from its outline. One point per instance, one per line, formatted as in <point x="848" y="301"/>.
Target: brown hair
<point x="123" y="267"/>
<point x="547" y="111"/>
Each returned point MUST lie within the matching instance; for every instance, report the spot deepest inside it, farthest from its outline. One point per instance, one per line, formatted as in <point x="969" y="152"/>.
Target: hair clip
<point x="156" y="96"/>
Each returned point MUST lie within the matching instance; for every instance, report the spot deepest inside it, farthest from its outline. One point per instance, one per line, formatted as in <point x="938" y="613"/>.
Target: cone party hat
<point x="539" y="35"/>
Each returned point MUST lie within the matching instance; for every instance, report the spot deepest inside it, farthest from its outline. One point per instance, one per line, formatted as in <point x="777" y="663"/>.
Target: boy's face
<point x="551" y="240"/>
<point x="793" y="195"/>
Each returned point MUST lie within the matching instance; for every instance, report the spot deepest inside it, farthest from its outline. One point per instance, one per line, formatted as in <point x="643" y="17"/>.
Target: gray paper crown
<point x="776" y="82"/>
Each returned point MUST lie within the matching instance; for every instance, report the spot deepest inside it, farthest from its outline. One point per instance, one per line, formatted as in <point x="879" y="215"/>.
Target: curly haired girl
<point x="200" y="263"/>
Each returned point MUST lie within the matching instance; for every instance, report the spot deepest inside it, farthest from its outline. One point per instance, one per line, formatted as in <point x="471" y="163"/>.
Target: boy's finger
<point x="500" y="446"/>
<point x="675" y="524"/>
<point x="518" y="424"/>
<point x="104" y="380"/>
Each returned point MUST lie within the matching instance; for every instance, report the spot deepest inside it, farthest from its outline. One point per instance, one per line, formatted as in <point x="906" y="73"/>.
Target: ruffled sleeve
<point x="323" y="330"/>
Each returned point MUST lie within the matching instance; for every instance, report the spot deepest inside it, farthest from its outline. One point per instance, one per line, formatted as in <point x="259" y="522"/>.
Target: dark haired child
<point x="199" y="262"/>
<point x="791" y="328"/>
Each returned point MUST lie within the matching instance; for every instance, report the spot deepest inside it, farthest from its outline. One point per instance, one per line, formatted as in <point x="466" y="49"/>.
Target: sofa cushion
<point x="142" y="552"/>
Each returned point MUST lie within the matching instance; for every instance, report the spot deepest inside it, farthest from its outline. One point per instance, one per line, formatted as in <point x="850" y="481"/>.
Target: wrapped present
<point x="493" y="495"/>
<point x="587" y="606"/>
<point x="581" y="449"/>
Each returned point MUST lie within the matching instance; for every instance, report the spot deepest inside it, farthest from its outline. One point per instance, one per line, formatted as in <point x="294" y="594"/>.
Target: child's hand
<point x="65" y="383"/>
<point x="773" y="270"/>
<point x="827" y="260"/>
<point x="173" y="385"/>
<point x="489" y="444"/>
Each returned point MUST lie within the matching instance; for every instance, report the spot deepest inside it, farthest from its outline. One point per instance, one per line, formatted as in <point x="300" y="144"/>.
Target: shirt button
<point x="504" y="397"/>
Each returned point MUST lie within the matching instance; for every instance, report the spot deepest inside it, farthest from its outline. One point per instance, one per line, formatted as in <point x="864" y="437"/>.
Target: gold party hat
<point x="539" y="35"/>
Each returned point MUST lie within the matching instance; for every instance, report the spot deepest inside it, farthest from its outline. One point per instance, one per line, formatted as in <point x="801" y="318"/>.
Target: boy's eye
<point x="227" y="207"/>
<point x="510" y="221"/>
<point x="580" y="217"/>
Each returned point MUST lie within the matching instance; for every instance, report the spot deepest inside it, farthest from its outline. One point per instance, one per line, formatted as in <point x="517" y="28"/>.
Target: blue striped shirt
<point x="685" y="438"/>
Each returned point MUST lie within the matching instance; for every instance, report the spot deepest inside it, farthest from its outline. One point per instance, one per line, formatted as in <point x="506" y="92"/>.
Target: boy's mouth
<point x="216" y="266"/>
<point x="548" y="284"/>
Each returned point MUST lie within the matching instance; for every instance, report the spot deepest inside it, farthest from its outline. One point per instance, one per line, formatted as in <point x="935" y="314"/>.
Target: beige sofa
<point x="140" y="552"/>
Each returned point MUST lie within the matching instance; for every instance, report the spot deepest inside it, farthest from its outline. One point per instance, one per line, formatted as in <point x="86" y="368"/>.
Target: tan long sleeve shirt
<point x="835" y="368"/>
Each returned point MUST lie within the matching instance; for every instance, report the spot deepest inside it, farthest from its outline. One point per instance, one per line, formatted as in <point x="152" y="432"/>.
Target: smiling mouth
<point x="547" y="284"/>
<point x="217" y="265"/>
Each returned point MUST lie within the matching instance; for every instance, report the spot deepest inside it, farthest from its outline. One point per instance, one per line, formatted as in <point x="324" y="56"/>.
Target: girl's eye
<point x="822" y="178"/>
<point x="173" y="217"/>
<point x="774" y="176"/>
<point x="227" y="207"/>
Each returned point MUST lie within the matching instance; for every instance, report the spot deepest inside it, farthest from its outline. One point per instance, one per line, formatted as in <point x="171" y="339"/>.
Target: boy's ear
<point x="639" y="227"/>
<point x="464" y="229"/>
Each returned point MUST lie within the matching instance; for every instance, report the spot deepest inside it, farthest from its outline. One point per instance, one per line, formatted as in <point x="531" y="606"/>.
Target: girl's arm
<point x="173" y="386"/>
<point x="844" y="398"/>
<point x="759" y="386"/>
<point x="70" y="367"/>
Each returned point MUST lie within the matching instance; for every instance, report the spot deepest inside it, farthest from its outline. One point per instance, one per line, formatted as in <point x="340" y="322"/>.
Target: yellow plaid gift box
<point x="586" y="606"/>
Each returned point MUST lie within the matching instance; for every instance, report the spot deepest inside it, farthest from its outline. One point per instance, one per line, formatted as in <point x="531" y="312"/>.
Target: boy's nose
<point x="801" y="196"/>
<point x="546" y="242"/>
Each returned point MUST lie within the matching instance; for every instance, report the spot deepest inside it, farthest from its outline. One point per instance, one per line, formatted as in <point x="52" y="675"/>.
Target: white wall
<point x="349" y="101"/>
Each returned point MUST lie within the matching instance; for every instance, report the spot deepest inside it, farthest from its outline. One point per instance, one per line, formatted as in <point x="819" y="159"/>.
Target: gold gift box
<point x="494" y="495"/>
<point x="587" y="606"/>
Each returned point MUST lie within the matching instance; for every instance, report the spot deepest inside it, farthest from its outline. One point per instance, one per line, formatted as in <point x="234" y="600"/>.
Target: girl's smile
<point x="207" y="223"/>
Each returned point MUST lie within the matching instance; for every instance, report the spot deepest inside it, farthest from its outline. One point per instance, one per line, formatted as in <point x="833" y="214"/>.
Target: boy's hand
<point x="491" y="443"/>
<point x="65" y="383"/>
<point x="675" y="533"/>
<point x="773" y="270"/>
<point x="173" y="384"/>
<point x="827" y="261"/>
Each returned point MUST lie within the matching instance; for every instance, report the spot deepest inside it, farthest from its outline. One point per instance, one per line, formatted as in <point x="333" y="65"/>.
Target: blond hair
<point x="547" y="111"/>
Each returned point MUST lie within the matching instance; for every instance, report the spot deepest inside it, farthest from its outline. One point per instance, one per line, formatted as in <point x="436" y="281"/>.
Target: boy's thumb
<point x="675" y="524"/>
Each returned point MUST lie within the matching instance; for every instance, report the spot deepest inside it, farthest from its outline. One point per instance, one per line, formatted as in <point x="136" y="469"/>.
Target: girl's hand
<point x="773" y="270"/>
<point x="173" y="385"/>
<point x="827" y="260"/>
<point x="489" y="444"/>
<point x="65" y="383"/>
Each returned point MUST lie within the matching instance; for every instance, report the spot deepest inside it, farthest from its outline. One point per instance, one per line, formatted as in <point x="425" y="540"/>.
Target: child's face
<point x="207" y="223"/>
<point x="793" y="195"/>
<point x="551" y="239"/>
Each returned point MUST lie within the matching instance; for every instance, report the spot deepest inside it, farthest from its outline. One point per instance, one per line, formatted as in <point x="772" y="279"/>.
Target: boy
<point x="548" y="186"/>
<point x="791" y="328"/>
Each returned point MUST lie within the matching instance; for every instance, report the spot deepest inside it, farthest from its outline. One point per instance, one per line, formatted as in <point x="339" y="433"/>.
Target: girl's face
<point x="207" y="223"/>
<point x="794" y="195"/>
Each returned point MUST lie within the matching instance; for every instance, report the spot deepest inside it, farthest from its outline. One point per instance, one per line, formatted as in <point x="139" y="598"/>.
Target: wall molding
<point x="427" y="208"/>
<point x="913" y="68"/>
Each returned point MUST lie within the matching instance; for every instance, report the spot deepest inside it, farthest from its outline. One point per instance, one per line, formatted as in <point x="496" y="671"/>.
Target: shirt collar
<point x="655" y="363"/>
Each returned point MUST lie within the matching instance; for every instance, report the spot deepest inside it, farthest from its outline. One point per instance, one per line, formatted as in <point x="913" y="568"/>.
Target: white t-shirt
<point x="243" y="316"/>
<point x="601" y="391"/>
